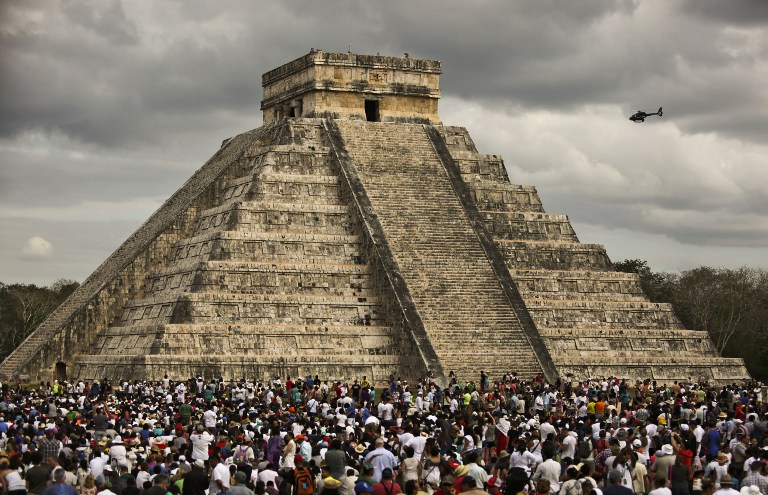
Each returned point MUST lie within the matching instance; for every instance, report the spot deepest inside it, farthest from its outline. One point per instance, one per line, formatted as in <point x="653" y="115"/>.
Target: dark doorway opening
<point x="61" y="372"/>
<point x="296" y="108"/>
<point x="372" y="110"/>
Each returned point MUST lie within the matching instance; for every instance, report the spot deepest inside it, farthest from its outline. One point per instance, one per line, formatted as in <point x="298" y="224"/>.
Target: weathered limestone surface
<point x="337" y="85"/>
<point x="343" y="248"/>
<point x="595" y="321"/>
<point x="270" y="276"/>
<point x="464" y="309"/>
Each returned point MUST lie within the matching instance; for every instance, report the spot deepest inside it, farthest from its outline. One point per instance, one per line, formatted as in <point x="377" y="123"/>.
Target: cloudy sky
<point x="108" y="106"/>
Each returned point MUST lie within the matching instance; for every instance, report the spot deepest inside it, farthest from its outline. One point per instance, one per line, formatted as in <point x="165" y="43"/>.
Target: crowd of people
<point x="307" y="436"/>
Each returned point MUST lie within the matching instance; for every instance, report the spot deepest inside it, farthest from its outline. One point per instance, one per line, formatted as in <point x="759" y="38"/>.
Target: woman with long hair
<point x="11" y="478"/>
<point x="410" y="468"/>
<point x="89" y="486"/>
<point x="522" y="457"/>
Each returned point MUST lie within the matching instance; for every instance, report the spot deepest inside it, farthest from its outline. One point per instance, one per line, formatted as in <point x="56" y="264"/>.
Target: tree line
<point x="730" y="304"/>
<point x="24" y="306"/>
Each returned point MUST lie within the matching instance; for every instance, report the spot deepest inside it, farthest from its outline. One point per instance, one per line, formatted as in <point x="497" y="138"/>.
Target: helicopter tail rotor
<point x="660" y="114"/>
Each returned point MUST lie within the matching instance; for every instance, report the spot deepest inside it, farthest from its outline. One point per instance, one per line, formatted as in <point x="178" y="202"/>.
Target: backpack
<point x="303" y="481"/>
<point x="572" y="487"/>
<point x="241" y="455"/>
<point x="584" y="449"/>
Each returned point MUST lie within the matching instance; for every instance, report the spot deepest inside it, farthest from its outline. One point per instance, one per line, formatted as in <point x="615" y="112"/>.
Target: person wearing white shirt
<point x="550" y="471"/>
<point x="546" y="429"/>
<point x="265" y="475"/>
<point x="522" y="458"/>
<point x="385" y="410"/>
<point x="118" y="453"/>
<point x="219" y="477"/>
<point x="651" y="429"/>
<point x="97" y="465"/>
<point x="417" y="443"/>
<point x="200" y="442"/>
<point x="209" y="418"/>
<point x="568" y="449"/>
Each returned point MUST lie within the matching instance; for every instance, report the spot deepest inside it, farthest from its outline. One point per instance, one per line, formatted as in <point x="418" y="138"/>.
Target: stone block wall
<point x="336" y="85"/>
<point x="72" y="328"/>
<point x="595" y="322"/>
<point x="466" y="315"/>
<point x="272" y="277"/>
<point x="349" y="248"/>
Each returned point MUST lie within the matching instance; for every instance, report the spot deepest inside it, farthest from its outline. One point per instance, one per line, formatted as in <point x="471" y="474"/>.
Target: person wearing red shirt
<point x="387" y="485"/>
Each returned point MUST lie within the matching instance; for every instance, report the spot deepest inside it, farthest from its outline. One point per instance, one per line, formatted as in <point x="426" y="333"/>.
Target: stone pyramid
<point x="353" y="234"/>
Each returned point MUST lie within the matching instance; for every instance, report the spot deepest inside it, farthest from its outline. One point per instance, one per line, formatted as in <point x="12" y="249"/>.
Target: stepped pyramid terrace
<point x="354" y="234"/>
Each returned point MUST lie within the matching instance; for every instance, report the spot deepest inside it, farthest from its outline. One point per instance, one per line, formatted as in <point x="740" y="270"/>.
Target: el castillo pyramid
<point x="354" y="234"/>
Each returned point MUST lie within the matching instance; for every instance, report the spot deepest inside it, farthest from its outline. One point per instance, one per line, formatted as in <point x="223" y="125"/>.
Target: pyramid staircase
<point x="596" y="322"/>
<point x="270" y="277"/>
<point x="463" y="306"/>
<point x="347" y="248"/>
<point x="273" y="280"/>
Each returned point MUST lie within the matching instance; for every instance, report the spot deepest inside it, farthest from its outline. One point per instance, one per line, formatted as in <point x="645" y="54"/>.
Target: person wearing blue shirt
<point x="60" y="485"/>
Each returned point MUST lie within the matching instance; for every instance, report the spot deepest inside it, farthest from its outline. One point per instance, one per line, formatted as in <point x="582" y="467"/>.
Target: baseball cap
<point x="494" y="481"/>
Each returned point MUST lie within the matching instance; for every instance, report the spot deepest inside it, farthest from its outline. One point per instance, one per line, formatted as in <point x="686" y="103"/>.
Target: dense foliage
<point x="23" y="307"/>
<point x="730" y="304"/>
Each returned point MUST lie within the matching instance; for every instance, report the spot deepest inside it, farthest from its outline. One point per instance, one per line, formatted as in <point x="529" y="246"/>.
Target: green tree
<point x="730" y="304"/>
<point x="24" y="306"/>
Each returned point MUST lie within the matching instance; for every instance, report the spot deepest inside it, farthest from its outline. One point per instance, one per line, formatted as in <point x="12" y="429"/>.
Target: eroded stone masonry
<point x="353" y="234"/>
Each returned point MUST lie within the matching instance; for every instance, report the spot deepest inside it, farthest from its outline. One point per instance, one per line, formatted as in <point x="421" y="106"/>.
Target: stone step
<point x="578" y="284"/>
<point x="288" y="278"/>
<point x="265" y="329"/>
<point x="618" y="316"/>
<point x="596" y="305"/>
<point x="640" y="347"/>
<point x="331" y="366"/>
<point x="663" y="369"/>
<point x="492" y="195"/>
<point x="267" y="216"/>
<point x="624" y="333"/>
<point x="554" y="255"/>
<point x="237" y="189"/>
<point x="646" y="359"/>
<point x="290" y="153"/>
<point x="513" y="225"/>
<point x="458" y="140"/>
<point x="208" y="307"/>
<point x="433" y="243"/>
<point x="269" y="339"/>
<point x="253" y="245"/>
<point x="301" y="189"/>
<point x="260" y="206"/>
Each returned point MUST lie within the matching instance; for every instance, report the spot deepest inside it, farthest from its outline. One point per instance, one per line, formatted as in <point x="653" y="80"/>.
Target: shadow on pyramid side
<point x="353" y="235"/>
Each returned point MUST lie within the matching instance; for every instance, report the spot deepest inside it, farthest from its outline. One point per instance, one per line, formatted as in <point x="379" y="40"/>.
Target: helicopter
<point x="640" y="115"/>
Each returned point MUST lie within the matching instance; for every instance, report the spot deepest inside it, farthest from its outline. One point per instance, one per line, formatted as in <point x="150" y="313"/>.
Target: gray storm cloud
<point x="110" y="106"/>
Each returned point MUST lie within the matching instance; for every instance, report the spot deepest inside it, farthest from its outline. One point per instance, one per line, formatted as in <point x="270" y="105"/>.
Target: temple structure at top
<point x="346" y="85"/>
<point x="355" y="235"/>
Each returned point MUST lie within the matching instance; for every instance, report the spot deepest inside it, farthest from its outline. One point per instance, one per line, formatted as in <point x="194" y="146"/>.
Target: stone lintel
<point x="347" y="85"/>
